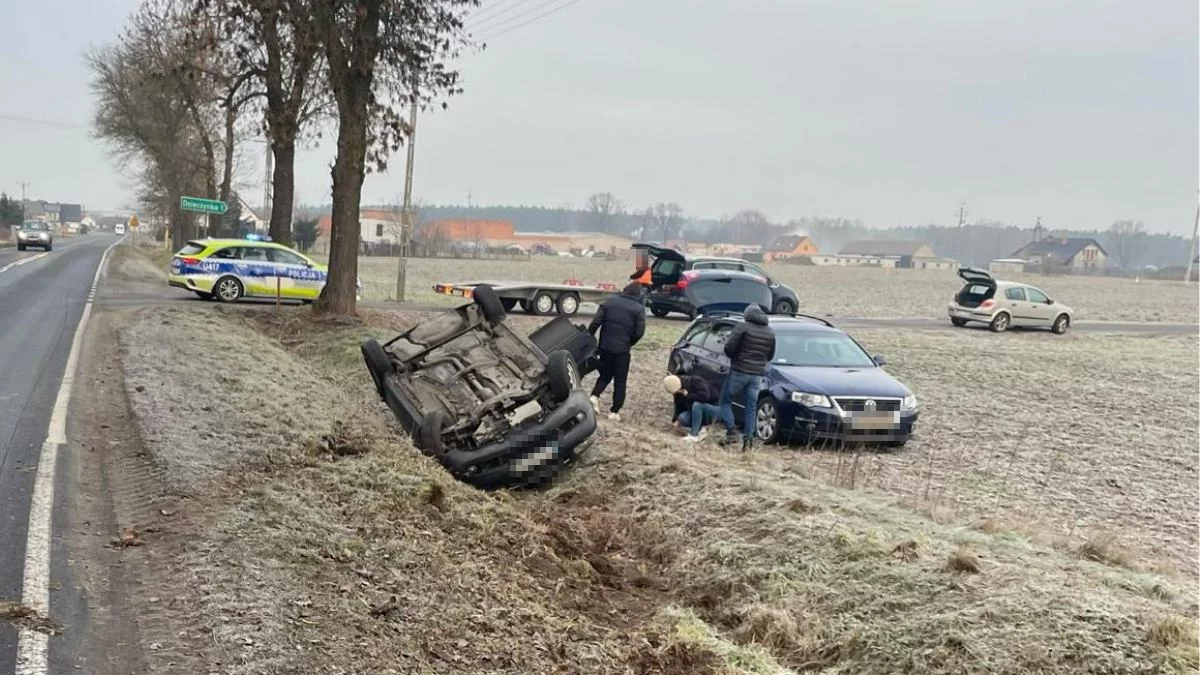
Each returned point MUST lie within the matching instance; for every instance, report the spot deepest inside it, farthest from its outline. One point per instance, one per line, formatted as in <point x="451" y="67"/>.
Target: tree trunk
<point x="227" y="171"/>
<point x="338" y="296"/>
<point x="283" y="190"/>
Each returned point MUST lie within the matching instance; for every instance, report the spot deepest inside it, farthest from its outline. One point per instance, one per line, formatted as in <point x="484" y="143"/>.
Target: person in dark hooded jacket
<point x="621" y="321"/>
<point x="750" y="347"/>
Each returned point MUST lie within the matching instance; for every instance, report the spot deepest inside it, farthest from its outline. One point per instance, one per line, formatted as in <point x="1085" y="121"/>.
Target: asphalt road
<point x="41" y="300"/>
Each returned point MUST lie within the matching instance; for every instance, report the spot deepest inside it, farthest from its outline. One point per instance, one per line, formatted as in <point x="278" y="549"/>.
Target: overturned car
<point x="495" y="407"/>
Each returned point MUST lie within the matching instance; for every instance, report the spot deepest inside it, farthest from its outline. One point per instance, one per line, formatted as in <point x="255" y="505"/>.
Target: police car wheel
<point x="228" y="289"/>
<point x="204" y="295"/>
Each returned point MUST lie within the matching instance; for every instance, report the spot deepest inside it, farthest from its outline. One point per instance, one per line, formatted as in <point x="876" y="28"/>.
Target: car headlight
<point x="811" y="400"/>
<point x="909" y="403"/>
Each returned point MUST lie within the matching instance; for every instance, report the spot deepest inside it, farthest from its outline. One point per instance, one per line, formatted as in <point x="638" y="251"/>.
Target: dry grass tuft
<point x="964" y="561"/>
<point x="1103" y="547"/>
<point x="906" y="551"/>
<point x="1175" y="638"/>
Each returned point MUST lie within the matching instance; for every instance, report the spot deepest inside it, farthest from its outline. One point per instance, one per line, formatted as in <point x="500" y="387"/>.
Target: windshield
<point x="34" y="225"/>
<point x="824" y="350"/>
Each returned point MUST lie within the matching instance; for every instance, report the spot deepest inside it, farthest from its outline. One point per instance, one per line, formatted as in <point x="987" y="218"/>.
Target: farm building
<point x="1007" y="266"/>
<point x="376" y="227"/>
<point x="892" y="253"/>
<point x="789" y="246"/>
<point x="1073" y="252"/>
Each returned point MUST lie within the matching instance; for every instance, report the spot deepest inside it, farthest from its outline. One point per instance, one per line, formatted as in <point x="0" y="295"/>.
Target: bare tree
<point x="382" y="55"/>
<point x="1126" y="241"/>
<point x="664" y="219"/>
<point x="603" y="210"/>
<point x="749" y="226"/>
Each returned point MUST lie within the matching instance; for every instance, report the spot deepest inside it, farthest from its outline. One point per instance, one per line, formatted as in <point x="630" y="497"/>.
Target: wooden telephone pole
<point x="406" y="219"/>
<point x="1187" y="275"/>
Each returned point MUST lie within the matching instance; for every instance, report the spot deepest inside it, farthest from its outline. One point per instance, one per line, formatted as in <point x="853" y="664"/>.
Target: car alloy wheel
<point x="784" y="307"/>
<point x="228" y="289"/>
<point x="1061" y="324"/>
<point x="766" y="420"/>
<point x="1000" y="323"/>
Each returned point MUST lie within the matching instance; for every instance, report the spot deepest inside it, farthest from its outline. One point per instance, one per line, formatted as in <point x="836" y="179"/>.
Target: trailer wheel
<point x="568" y="304"/>
<point x="543" y="303"/>
<point x="508" y="304"/>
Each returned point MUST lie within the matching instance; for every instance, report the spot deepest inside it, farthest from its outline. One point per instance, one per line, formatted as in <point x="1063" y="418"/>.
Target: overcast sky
<point x="1081" y="113"/>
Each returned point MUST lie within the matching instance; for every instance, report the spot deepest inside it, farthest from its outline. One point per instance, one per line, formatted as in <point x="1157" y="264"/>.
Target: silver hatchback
<point x="1004" y="304"/>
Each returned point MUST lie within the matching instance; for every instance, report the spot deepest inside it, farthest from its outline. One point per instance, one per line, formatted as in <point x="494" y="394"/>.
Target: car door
<point x="1041" y="311"/>
<point x="713" y="365"/>
<point x="1016" y="305"/>
<point x="257" y="272"/>
<point x="297" y="277"/>
<point x="686" y="359"/>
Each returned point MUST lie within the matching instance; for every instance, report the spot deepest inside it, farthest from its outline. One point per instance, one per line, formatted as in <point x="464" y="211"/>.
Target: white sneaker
<point x="595" y="403"/>
<point x="692" y="439"/>
<point x="616" y="417"/>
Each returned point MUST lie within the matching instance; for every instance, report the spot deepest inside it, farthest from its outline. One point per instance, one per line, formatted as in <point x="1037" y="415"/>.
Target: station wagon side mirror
<point x="1049" y="301"/>
<point x="879" y="360"/>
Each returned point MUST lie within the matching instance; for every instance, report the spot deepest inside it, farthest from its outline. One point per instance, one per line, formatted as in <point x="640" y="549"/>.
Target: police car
<point x="231" y="269"/>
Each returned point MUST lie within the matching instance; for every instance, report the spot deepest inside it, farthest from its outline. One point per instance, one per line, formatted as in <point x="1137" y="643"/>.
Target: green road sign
<point x="202" y="205"/>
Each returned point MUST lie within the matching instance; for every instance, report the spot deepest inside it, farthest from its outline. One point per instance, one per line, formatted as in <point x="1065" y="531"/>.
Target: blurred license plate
<point x="884" y="420"/>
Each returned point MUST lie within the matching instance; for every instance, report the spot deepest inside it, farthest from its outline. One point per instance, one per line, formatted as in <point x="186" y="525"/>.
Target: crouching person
<point x="695" y="404"/>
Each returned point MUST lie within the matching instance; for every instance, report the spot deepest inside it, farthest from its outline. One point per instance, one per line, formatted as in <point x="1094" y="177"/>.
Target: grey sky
<point x="888" y="112"/>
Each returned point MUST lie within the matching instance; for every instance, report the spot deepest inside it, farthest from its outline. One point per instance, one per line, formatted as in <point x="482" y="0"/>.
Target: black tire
<point x="784" y="307"/>
<point x="1000" y="322"/>
<point x="563" y="373"/>
<point x="20" y="247"/>
<point x="49" y="248"/>
<point x="567" y="304"/>
<point x="377" y="362"/>
<point x="204" y="295"/>
<point x="958" y="323"/>
<point x="429" y="433"/>
<point x="766" y="430"/>
<point x="659" y="311"/>
<point x="508" y="303"/>
<point x="542" y="304"/>
<point x="489" y="303"/>
<point x="228" y="289"/>
<point x="1062" y="323"/>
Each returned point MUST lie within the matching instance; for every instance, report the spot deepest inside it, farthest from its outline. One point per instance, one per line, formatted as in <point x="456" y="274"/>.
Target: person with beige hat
<point x="698" y="400"/>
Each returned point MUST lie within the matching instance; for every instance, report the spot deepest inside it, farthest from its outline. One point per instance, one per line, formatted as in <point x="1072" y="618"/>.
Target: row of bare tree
<point x="189" y="82"/>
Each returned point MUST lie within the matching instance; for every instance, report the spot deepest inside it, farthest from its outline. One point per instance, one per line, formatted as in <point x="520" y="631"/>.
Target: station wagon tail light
<point x="687" y="278"/>
<point x="191" y="261"/>
<point x="987" y="303"/>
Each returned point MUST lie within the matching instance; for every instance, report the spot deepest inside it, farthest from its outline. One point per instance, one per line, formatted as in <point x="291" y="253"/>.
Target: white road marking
<point x="33" y="646"/>
<point x="22" y="261"/>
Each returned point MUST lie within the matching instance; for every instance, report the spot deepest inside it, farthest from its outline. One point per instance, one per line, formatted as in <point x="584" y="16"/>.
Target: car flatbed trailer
<point x="535" y="298"/>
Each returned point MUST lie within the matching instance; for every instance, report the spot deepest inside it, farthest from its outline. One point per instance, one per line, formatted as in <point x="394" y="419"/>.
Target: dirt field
<point x="832" y="291"/>
<point x="320" y="541"/>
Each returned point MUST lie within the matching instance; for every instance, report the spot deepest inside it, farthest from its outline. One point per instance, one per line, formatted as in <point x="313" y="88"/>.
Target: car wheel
<point x="429" y="433"/>
<point x="543" y="304"/>
<point x="896" y="444"/>
<point x="1000" y="322"/>
<point x="489" y="303"/>
<point x="228" y="289"/>
<point x="508" y="303"/>
<point x="784" y="307"/>
<point x="766" y="420"/>
<point x="204" y="295"/>
<point x="20" y="247"/>
<point x="377" y="362"/>
<point x="958" y="323"/>
<point x="568" y="304"/>
<point x="1061" y="324"/>
<point x="563" y="374"/>
<point x="49" y="248"/>
<point x="659" y="311"/>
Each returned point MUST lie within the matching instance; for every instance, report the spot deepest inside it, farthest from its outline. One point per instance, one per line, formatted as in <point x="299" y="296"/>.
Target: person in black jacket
<point x="750" y="347"/>
<point x="695" y="404"/>
<point x="621" y="321"/>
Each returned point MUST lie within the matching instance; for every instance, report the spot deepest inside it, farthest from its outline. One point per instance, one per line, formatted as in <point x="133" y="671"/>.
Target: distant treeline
<point x="973" y="244"/>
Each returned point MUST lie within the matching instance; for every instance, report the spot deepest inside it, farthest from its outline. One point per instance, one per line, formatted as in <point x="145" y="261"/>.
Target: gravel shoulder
<point x="316" y="539"/>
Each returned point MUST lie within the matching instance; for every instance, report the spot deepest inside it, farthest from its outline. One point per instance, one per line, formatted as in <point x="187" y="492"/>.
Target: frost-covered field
<point x="868" y="292"/>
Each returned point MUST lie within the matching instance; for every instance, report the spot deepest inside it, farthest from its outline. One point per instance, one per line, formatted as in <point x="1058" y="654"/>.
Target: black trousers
<point x="613" y="368"/>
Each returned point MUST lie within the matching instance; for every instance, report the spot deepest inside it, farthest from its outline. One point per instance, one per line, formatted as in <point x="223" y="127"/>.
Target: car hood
<point x="842" y="381"/>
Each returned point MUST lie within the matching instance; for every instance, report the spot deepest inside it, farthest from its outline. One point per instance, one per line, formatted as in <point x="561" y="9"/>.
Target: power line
<point x="490" y="12"/>
<point x="498" y="19"/>
<point x="510" y="29"/>
<point x="48" y="123"/>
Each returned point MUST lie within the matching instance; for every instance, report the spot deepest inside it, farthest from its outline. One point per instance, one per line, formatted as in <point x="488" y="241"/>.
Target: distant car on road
<point x="35" y="233"/>
<point x="821" y="387"/>
<point x="669" y="268"/>
<point x="1005" y="304"/>
<point x="231" y="269"/>
<point x="494" y="407"/>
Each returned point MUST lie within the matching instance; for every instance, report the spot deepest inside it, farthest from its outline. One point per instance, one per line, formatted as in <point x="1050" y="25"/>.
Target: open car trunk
<point x="666" y="265"/>
<point x="978" y="285"/>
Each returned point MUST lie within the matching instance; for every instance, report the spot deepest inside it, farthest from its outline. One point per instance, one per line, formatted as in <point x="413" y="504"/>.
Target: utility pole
<point x="1037" y="230"/>
<point x="267" y="186"/>
<point x="406" y="222"/>
<point x="468" y="198"/>
<point x="962" y="215"/>
<point x="1187" y="276"/>
<point x="23" y="184"/>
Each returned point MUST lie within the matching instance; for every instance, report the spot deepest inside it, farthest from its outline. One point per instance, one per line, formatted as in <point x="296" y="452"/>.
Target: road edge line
<point x="33" y="646"/>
